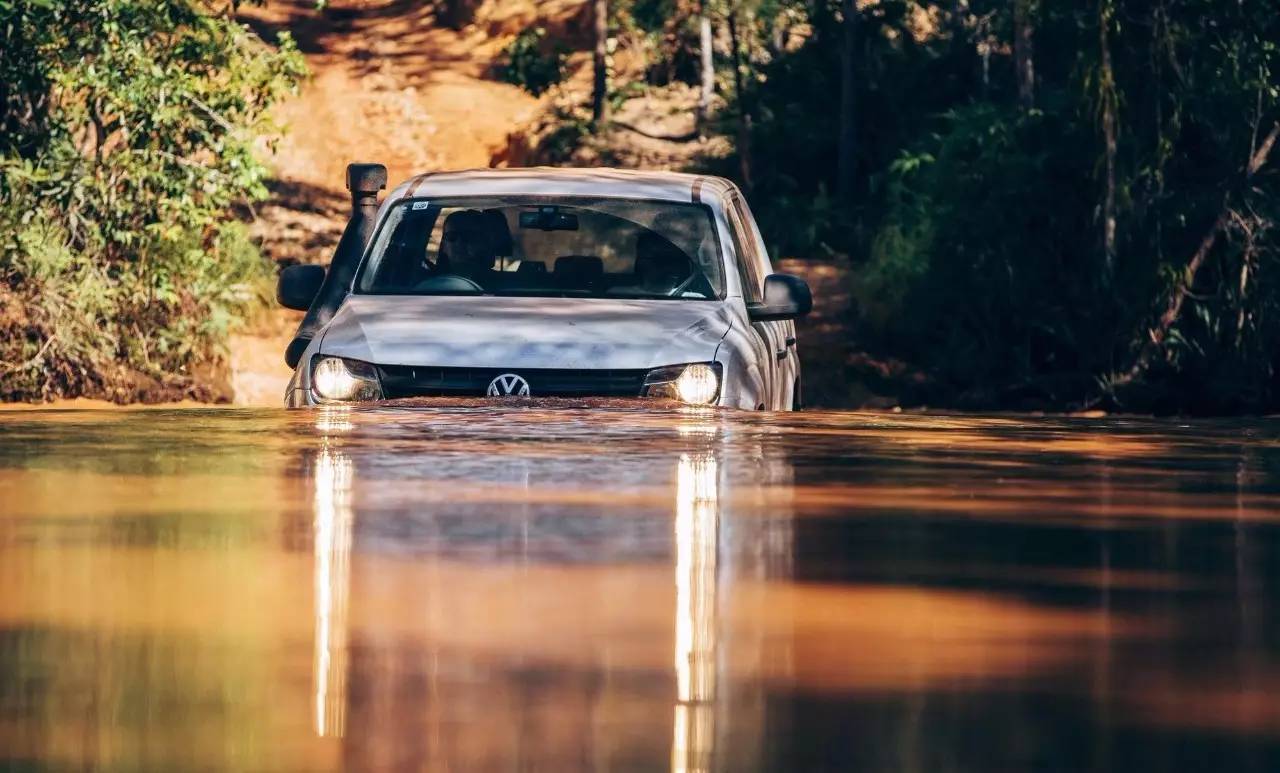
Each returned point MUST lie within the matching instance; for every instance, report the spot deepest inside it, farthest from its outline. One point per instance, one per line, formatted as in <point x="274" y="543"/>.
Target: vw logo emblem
<point x="508" y="385"/>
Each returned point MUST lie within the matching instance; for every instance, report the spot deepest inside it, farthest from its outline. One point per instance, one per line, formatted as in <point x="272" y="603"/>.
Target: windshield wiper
<point x="545" y="294"/>
<point x="656" y="297"/>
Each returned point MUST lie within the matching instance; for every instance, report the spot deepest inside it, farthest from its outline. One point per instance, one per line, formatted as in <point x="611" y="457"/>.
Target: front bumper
<point x="406" y="383"/>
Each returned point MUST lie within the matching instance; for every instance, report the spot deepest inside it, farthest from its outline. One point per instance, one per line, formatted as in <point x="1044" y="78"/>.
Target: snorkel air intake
<point x="364" y="181"/>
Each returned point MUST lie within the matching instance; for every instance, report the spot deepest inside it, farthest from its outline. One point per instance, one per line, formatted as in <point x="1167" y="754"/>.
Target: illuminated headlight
<point x="334" y="378"/>
<point x="696" y="384"/>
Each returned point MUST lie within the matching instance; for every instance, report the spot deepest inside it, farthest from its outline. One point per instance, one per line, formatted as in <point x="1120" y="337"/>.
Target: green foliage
<point x="570" y="131"/>
<point x="977" y="225"/>
<point x="532" y="63"/>
<point x="974" y="240"/>
<point x="652" y="15"/>
<point x="130" y="132"/>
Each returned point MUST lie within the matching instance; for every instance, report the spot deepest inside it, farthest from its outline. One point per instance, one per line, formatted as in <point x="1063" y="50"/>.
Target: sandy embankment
<point x="388" y="84"/>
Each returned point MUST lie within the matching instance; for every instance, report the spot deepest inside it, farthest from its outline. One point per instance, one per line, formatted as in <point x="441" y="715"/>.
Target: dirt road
<point x="392" y="84"/>
<point x="389" y="84"/>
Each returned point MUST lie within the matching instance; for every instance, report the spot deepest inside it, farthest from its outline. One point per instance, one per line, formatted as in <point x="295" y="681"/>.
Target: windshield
<point x="546" y="247"/>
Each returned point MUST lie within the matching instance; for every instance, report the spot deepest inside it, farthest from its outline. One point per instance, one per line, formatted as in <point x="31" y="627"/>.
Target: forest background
<point x="1006" y="204"/>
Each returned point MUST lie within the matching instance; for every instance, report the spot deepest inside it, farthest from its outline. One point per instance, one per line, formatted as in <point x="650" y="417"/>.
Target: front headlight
<point x="696" y="384"/>
<point x="339" y="380"/>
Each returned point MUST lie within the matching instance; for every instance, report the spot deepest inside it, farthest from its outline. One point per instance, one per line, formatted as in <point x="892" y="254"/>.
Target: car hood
<point x="501" y="332"/>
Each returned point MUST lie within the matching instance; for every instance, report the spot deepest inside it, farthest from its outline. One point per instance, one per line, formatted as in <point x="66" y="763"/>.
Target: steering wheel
<point x="449" y="282"/>
<point x="680" y="288"/>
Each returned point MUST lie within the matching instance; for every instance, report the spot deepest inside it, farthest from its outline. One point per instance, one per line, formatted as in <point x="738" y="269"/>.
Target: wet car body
<point x="468" y="345"/>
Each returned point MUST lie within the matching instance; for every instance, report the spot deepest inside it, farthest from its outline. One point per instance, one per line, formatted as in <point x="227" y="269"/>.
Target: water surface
<point x="481" y="587"/>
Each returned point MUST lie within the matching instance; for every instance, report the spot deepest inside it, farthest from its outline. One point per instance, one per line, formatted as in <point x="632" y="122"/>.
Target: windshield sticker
<point x="421" y="205"/>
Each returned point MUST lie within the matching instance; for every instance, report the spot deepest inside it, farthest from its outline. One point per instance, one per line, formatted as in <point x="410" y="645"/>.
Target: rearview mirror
<point x="549" y="219"/>
<point x="298" y="286"/>
<point x="785" y="297"/>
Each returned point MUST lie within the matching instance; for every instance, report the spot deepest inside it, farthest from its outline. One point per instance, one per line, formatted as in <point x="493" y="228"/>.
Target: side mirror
<point x="785" y="297"/>
<point x="298" y="286"/>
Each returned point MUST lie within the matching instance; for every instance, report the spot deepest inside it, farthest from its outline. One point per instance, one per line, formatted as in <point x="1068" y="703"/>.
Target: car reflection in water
<point x="405" y="696"/>
<point x="496" y="587"/>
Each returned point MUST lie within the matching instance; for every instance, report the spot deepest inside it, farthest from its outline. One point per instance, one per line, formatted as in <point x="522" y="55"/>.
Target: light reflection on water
<point x="493" y="588"/>
<point x="333" y="528"/>
<point x="696" y="543"/>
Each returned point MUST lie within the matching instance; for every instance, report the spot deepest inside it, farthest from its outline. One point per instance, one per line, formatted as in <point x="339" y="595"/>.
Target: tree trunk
<point x="599" y="93"/>
<point x="744" y="112"/>
<point x="1023" y="53"/>
<point x="708" y="90"/>
<point x="1157" y="335"/>
<point x="846" y="169"/>
<point x="1107" y="95"/>
<point x="959" y="10"/>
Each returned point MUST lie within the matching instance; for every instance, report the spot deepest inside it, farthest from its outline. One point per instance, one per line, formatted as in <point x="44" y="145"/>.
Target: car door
<point x="777" y="338"/>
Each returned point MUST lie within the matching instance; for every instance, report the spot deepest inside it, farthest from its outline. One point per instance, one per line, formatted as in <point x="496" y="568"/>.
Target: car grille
<point x="416" y="381"/>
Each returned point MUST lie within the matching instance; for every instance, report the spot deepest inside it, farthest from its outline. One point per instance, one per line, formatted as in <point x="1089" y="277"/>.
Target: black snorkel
<point x="364" y="181"/>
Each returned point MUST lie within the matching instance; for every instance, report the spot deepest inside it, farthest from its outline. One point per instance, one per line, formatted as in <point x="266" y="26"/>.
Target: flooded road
<point x="481" y="588"/>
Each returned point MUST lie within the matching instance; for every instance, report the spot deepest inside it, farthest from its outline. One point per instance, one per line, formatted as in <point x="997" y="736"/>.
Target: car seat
<point x="486" y="230"/>
<point x="579" y="272"/>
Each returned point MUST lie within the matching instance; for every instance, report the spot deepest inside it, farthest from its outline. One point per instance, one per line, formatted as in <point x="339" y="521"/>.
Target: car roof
<point x="562" y="181"/>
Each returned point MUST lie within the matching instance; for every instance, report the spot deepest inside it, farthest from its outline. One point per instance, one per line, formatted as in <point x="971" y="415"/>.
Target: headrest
<point x="463" y="220"/>
<point x="467" y="220"/>
<point x="583" y="265"/>
<point x="496" y="223"/>
<point x="488" y="225"/>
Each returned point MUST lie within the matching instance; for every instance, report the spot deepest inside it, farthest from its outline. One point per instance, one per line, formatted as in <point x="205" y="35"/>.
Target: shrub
<point x="531" y="63"/>
<point x="129" y="137"/>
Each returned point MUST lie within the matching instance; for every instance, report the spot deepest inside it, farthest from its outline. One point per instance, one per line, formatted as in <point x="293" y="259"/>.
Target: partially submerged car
<point x="547" y="283"/>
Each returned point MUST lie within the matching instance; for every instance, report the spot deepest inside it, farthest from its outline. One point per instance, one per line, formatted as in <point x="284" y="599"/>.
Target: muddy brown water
<point x="511" y="587"/>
